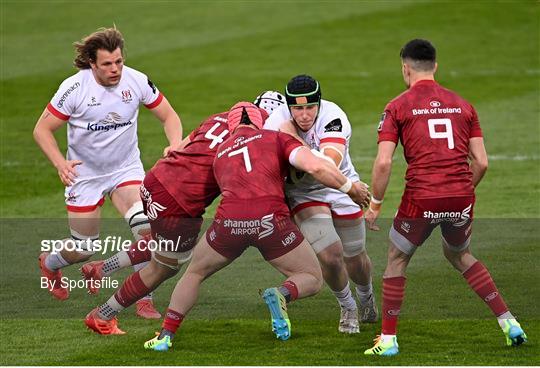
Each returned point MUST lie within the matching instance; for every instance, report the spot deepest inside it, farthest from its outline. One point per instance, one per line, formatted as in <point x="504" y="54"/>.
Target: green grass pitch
<point x="205" y="56"/>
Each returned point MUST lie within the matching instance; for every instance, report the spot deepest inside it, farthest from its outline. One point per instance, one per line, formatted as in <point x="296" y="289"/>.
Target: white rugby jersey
<point x="332" y="125"/>
<point x="102" y="121"/>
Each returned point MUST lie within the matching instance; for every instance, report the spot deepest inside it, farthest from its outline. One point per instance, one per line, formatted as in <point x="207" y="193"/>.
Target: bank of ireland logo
<point x="267" y="226"/>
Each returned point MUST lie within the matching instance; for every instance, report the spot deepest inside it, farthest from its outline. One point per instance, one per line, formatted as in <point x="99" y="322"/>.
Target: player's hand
<point x="359" y="193"/>
<point x="371" y="216"/>
<point x="67" y="172"/>
<point x="167" y="149"/>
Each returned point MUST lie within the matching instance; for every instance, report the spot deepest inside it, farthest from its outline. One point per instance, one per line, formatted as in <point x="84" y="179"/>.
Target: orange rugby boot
<point x="54" y="279"/>
<point x="102" y="326"/>
<point x="92" y="271"/>
<point x="146" y="309"/>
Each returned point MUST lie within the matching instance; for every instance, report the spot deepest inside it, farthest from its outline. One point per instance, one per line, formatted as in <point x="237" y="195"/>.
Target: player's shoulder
<point x="133" y="73"/>
<point x="77" y="80"/>
<point x="220" y="117"/>
<point x="331" y="118"/>
<point x="456" y="97"/>
<point x="273" y="122"/>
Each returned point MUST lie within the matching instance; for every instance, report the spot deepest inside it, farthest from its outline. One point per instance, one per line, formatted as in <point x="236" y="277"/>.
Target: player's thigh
<point x="85" y="224"/>
<point x="352" y="232"/>
<point x="317" y="226"/>
<point x="456" y="231"/>
<point x="125" y="197"/>
<point x="206" y="260"/>
<point x="410" y="228"/>
<point x="301" y="259"/>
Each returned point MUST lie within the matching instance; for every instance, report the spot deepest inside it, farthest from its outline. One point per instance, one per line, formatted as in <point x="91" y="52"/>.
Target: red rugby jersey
<point x="187" y="174"/>
<point x="434" y="126"/>
<point x="253" y="163"/>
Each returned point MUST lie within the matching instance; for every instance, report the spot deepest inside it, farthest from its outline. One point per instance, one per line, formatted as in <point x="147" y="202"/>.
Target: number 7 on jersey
<point x="244" y="151"/>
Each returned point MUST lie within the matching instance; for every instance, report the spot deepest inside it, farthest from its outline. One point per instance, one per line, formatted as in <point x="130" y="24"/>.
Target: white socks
<point x="55" y="261"/>
<point x="345" y="298"/>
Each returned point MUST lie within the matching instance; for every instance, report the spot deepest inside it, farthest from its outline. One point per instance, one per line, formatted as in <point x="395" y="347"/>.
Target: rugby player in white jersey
<point x="100" y="105"/>
<point x="331" y="222"/>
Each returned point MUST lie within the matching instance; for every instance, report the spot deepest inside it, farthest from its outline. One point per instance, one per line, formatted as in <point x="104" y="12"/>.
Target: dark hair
<point x="104" y="38"/>
<point x="421" y="53"/>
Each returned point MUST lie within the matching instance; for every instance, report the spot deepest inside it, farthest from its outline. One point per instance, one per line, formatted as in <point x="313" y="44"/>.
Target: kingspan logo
<point x="457" y="217"/>
<point x="112" y="121"/>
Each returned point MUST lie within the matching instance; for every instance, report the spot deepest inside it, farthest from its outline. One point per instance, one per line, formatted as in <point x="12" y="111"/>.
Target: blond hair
<point x="104" y="38"/>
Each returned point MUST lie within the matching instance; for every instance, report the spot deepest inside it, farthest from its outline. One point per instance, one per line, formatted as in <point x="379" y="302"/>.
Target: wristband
<point x="346" y="187"/>
<point x="376" y="201"/>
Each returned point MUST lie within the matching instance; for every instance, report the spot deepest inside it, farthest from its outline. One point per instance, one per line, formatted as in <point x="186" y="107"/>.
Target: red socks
<point x="172" y="320"/>
<point x="138" y="251"/>
<point x="132" y="290"/>
<point x="480" y="281"/>
<point x="393" y="294"/>
<point x="292" y="289"/>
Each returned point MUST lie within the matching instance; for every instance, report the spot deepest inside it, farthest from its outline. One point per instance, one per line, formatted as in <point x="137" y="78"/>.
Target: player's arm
<point x="288" y="127"/>
<point x="326" y="172"/>
<point x="478" y="159"/>
<point x="380" y="175"/>
<point x="171" y="124"/>
<point x="335" y="151"/>
<point x="44" y="130"/>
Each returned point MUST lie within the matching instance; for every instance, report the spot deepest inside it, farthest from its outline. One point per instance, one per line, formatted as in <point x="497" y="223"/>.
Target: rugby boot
<point x="92" y="272"/>
<point x="145" y="309"/>
<point x="157" y="344"/>
<point x="102" y="326"/>
<point x="388" y="348"/>
<point x="369" y="312"/>
<point x="348" y="321"/>
<point x="513" y="332"/>
<point x="281" y="325"/>
<point x="54" y="279"/>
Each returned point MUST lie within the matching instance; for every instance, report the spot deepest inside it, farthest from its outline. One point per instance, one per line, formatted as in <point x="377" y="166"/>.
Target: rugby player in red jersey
<point x="446" y="159"/>
<point x="175" y="193"/>
<point x="250" y="168"/>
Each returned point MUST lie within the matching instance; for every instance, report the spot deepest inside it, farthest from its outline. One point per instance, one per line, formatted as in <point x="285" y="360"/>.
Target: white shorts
<point x="89" y="193"/>
<point x="341" y="205"/>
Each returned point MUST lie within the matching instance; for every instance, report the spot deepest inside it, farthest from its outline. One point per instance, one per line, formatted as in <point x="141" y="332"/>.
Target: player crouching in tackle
<point x="249" y="168"/>
<point x="175" y="193"/>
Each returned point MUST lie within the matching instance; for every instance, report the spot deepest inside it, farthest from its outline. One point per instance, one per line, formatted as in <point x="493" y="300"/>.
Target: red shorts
<point x="266" y="225"/>
<point x="169" y="222"/>
<point x="416" y="219"/>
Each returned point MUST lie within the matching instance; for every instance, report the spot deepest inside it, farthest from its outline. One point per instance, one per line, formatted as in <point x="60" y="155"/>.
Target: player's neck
<point x="420" y="77"/>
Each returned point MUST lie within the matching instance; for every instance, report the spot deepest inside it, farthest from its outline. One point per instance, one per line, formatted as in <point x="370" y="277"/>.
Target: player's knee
<point x="332" y="258"/>
<point x="353" y="239"/>
<point x="319" y="232"/>
<point x="137" y="221"/>
<point x="79" y="247"/>
<point x="172" y="260"/>
<point x="161" y="271"/>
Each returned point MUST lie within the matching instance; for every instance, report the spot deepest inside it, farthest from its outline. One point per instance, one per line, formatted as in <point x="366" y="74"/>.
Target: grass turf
<point x="205" y="56"/>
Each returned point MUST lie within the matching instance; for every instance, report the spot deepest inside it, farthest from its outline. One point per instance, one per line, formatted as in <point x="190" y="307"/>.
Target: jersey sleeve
<point x="287" y="144"/>
<point x="388" y="127"/>
<point x="63" y="103"/>
<point x="150" y="95"/>
<point x="336" y="128"/>
<point x="476" y="131"/>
